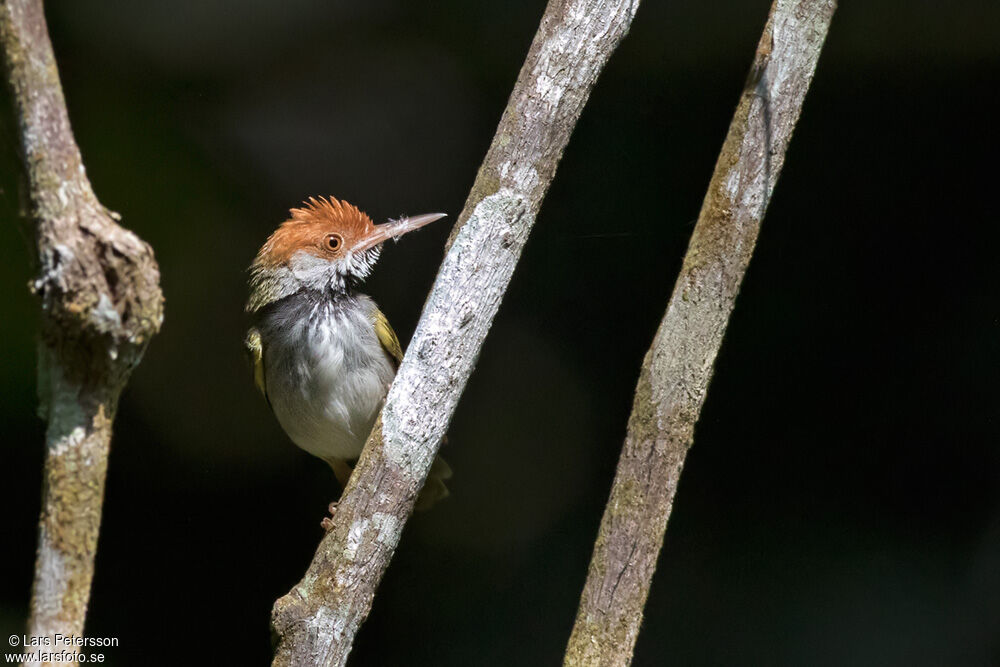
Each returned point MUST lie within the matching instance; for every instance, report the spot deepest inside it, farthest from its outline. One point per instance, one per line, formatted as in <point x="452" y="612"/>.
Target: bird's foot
<point x="327" y="523"/>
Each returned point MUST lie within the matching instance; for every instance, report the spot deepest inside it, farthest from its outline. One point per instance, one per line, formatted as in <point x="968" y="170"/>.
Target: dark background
<point x="840" y="504"/>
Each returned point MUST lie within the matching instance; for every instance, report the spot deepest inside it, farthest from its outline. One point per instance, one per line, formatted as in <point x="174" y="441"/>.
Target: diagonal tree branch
<point x="316" y="622"/>
<point x="677" y="369"/>
<point x="98" y="285"/>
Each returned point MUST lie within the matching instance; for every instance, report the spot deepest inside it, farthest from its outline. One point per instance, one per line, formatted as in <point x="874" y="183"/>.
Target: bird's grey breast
<point x="325" y="370"/>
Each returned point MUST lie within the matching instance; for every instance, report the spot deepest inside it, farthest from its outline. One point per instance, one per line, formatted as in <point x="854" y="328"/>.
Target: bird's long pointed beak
<point x="395" y="229"/>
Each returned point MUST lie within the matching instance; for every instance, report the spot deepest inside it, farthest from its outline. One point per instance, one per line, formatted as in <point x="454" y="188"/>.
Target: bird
<point x="321" y="352"/>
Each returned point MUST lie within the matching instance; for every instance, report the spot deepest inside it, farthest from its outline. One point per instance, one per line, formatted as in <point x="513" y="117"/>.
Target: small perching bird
<point x="323" y="354"/>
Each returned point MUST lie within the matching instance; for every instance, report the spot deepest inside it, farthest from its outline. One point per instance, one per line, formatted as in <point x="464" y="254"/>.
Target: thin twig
<point x="677" y="369"/>
<point x="316" y="622"/>
<point x="98" y="285"/>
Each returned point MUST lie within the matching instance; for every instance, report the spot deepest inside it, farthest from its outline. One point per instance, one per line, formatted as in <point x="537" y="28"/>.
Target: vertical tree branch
<point x="677" y="369"/>
<point x="316" y="622"/>
<point x="98" y="285"/>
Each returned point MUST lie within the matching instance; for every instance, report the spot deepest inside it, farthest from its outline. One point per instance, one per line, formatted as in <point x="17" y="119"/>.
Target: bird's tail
<point x="435" y="489"/>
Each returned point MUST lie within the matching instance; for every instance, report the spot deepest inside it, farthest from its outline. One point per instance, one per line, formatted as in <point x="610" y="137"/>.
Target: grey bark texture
<point x="676" y="371"/>
<point x="315" y="623"/>
<point x="98" y="285"/>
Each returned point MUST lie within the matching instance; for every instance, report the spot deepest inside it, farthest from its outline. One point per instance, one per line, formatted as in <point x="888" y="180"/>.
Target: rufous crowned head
<point x="325" y="245"/>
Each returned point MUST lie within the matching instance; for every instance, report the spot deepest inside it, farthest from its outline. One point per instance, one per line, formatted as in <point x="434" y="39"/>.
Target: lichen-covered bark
<point x="98" y="285"/>
<point x="677" y="369"/>
<point x="316" y="622"/>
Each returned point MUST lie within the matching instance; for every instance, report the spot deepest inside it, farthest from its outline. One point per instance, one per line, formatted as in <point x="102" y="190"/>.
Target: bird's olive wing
<point x="255" y="354"/>
<point x="387" y="336"/>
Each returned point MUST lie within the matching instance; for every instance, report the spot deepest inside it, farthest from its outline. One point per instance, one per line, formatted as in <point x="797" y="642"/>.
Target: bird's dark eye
<point x="334" y="241"/>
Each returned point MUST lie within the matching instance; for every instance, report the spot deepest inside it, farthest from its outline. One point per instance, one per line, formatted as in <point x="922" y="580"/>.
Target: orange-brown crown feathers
<point x="327" y="245"/>
<point x="323" y="227"/>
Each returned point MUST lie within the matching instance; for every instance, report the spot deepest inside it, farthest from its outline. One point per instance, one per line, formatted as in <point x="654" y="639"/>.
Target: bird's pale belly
<point x="322" y="422"/>
<point x="326" y="380"/>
